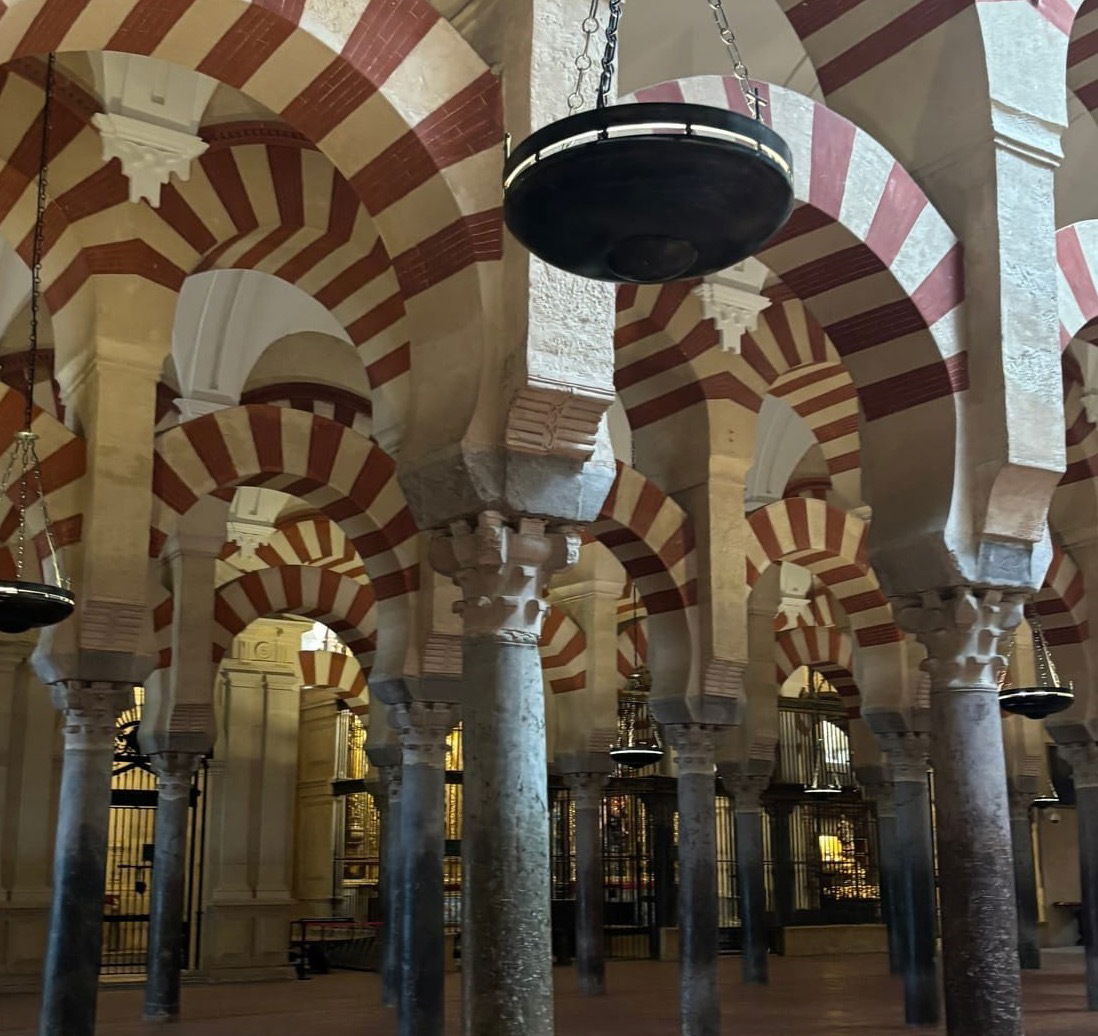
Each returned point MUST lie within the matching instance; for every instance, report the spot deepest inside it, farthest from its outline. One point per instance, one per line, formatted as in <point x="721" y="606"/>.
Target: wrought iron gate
<point x="130" y="857"/>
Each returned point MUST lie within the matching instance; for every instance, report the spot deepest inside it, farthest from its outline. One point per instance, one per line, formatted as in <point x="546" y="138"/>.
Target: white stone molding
<point x="89" y="712"/>
<point x="733" y="308"/>
<point x="442" y="655"/>
<point x="795" y="584"/>
<point x="723" y="678"/>
<point x="502" y="569"/>
<point x="695" y="746"/>
<point x="908" y="755"/>
<point x="189" y="407"/>
<point x="586" y="789"/>
<point x="966" y="633"/>
<point x="548" y="417"/>
<point x="112" y="625"/>
<point x="423" y="727"/>
<point x="174" y="771"/>
<point x="252" y="518"/>
<point x="1082" y="757"/>
<point x="149" y="154"/>
<point x="747" y="791"/>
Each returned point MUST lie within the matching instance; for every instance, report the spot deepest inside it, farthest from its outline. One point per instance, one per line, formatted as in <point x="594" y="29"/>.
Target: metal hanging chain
<point x="583" y="62"/>
<point x="755" y="103"/>
<point x="607" y="80"/>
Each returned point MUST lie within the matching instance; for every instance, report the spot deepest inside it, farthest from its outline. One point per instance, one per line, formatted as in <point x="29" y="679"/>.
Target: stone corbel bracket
<point x="552" y="418"/>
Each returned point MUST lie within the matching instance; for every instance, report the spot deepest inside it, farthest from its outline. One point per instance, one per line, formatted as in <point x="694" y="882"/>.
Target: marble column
<point x="963" y="631"/>
<point x="71" y="975"/>
<point x="174" y="774"/>
<point x="747" y="792"/>
<point x="661" y="830"/>
<point x="912" y="883"/>
<point x="502" y="568"/>
<point x="881" y="794"/>
<point x="695" y="748"/>
<point x="1025" y="877"/>
<point x="1084" y="773"/>
<point x="587" y="790"/>
<point x="423" y="728"/>
<point x="391" y="893"/>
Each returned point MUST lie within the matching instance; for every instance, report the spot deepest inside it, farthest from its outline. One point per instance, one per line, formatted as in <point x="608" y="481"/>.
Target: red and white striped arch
<point x="1061" y="603"/>
<point x="402" y="106"/>
<point x="865" y="250"/>
<point x="308" y="540"/>
<point x="832" y="545"/>
<point x="344" y="476"/>
<point x="1077" y="252"/>
<point x="1081" y="434"/>
<point x="1082" y="60"/>
<point x="563" y="647"/>
<point x="827" y="650"/>
<point x="339" y="672"/>
<point x="345" y="606"/>
<point x="339" y="405"/>
<point x="653" y="538"/>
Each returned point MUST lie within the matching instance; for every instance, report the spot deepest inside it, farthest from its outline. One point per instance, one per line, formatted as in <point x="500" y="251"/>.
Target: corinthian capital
<point x="90" y="711"/>
<point x="423" y="727"/>
<point x="965" y="632"/>
<point x="695" y="746"/>
<point x="503" y="570"/>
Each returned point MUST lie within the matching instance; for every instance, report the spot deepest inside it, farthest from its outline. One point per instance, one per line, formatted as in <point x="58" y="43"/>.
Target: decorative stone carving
<point x="965" y="632"/>
<point x="733" y="309"/>
<point x="252" y="517"/>
<point x="553" y="418"/>
<point x="174" y="771"/>
<point x="695" y="746"/>
<point x="747" y="790"/>
<point x="442" y="655"/>
<point x="586" y="789"/>
<point x="796" y="594"/>
<point x="908" y="754"/>
<point x="149" y="154"/>
<point x="1082" y="757"/>
<point x="111" y="625"/>
<point x="423" y="727"/>
<point x="503" y="570"/>
<point x="90" y="712"/>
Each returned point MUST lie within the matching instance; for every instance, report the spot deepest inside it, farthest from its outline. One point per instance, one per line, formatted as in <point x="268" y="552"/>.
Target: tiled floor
<point x="806" y="997"/>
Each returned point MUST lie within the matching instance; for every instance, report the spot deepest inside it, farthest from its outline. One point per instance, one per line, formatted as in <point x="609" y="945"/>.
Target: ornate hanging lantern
<point x="648" y="193"/>
<point x="1050" y="695"/>
<point x="638" y="743"/>
<point x="1047" y="799"/>
<point x="25" y="604"/>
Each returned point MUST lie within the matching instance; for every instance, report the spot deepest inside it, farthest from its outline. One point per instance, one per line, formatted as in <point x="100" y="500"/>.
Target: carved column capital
<point x="90" y="712"/>
<point x="908" y="755"/>
<point x="174" y="772"/>
<point x="1082" y="757"/>
<point x="423" y="727"/>
<point x="503" y="568"/>
<point x="746" y="790"/>
<point x="965" y="631"/>
<point x="390" y="783"/>
<point x="883" y="794"/>
<point x="586" y="789"/>
<point x="695" y="746"/>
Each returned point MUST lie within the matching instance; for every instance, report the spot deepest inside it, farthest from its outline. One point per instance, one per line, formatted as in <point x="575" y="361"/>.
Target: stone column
<point x="695" y="749"/>
<point x="503" y="568"/>
<point x="747" y="792"/>
<point x="880" y="793"/>
<point x="391" y="897"/>
<point x="423" y="728"/>
<point x="661" y="830"/>
<point x="1025" y="877"/>
<point x="912" y="885"/>
<point x="781" y="849"/>
<point x="174" y="773"/>
<point x="962" y="630"/>
<point x="1084" y="772"/>
<point x="71" y="976"/>
<point x="587" y="791"/>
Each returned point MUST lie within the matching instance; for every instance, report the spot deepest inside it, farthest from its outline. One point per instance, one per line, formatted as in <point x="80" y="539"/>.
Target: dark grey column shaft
<point x="506" y="952"/>
<point x="662" y="817"/>
<point x="391" y="896"/>
<point x="71" y="976"/>
<point x="781" y="842"/>
<point x="913" y="878"/>
<point x="886" y="848"/>
<point x="752" y="887"/>
<point x="423" y="727"/>
<point x="1084" y="771"/>
<point x="1025" y="878"/>
<point x="587" y="789"/>
<point x="694" y="745"/>
<point x="164" y="959"/>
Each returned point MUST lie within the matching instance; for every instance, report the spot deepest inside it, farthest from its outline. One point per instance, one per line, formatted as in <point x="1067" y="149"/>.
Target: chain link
<point x="583" y="62"/>
<point x="606" y="82"/>
<point x="739" y="68"/>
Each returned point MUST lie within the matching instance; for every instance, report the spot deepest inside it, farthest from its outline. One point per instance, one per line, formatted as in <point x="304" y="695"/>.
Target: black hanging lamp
<point x="638" y="743"/>
<point x="1050" y="694"/>
<point x="25" y="604"/>
<point x="1047" y="799"/>
<point x="652" y="192"/>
